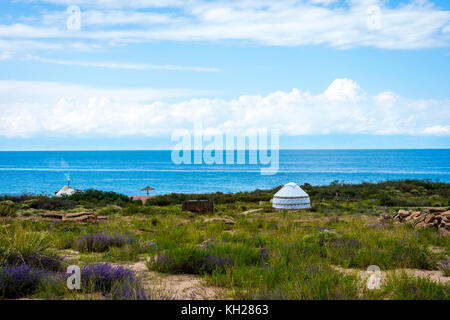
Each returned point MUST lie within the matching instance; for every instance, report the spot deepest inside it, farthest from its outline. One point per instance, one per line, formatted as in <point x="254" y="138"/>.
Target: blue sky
<point x="326" y="74"/>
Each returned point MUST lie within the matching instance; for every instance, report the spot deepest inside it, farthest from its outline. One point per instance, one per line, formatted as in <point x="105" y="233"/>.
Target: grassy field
<point x="156" y="251"/>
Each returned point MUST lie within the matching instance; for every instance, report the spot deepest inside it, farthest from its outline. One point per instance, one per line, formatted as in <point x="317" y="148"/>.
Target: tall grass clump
<point x="30" y="248"/>
<point x="7" y="208"/>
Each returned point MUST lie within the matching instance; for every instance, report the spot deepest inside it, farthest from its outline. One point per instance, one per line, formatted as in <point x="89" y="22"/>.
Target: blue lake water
<point x="43" y="172"/>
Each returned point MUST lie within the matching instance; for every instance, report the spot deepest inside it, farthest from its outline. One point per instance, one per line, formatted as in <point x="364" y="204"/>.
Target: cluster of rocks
<point x="227" y="222"/>
<point x="90" y="217"/>
<point x="438" y="218"/>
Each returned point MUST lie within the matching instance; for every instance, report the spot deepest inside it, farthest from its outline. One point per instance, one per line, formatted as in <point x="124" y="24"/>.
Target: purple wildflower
<point x="36" y="260"/>
<point x="100" y="242"/>
<point x="19" y="281"/>
<point x="213" y="262"/>
<point x="263" y="254"/>
<point x="117" y="281"/>
<point x="345" y="243"/>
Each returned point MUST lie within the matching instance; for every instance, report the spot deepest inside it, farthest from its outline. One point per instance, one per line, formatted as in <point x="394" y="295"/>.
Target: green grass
<point x="401" y="286"/>
<point x="264" y="255"/>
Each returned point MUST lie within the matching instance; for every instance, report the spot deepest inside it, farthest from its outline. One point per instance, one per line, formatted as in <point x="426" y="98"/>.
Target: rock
<point x="429" y="225"/>
<point x="261" y="203"/>
<point x="384" y="216"/>
<point x="81" y="217"/>
<point x="146" y="230"/>
<point x="205" y="243"/>
<point x="445" y="214"/>
<point x="437" y="210"/>
<point x="223" y="220"/>
<point x="419" y="220"/>
<point x="53" y="215"/>
<point x="438" y="218"/>
<point x="420" y="225"/>
<point x="250" y="211"/>
<point x="408" y="218"/>
<point x="403" y="213"/>
<point x="78" y="214"/>
<point x="416" y="214"/>
<point x="429" y="218"/>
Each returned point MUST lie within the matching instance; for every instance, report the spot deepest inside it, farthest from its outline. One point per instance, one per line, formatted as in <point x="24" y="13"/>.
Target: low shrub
<point x="212" y="258"/>
<point x="7" y="211"/>
<point x="117" y="282"/>
<point x="36" y="260"/>
<point x="46" y="203"/>
<point x="97" y="198"/>
<point x="20" y="281"/>
<point x="445" y="267"/>
<point x="99" y="242"/>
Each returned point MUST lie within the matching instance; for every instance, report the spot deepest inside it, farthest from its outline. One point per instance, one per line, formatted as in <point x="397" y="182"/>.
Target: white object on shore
<point x="65" y="191"/>
<point x="291" y="196"/>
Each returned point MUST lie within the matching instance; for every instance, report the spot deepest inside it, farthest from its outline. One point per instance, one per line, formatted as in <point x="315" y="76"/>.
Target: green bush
<point x="99" y="198"/>
<point x="6" y="211"/>
<point x="46" y="203"/>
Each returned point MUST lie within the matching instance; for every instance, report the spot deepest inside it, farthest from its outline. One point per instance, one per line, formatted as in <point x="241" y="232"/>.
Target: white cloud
<point x="344" y="90"/>
<point x="417" y="24"/>
<point x="34" y="108"/>
<point x="121" y="65"/>
<point x="6" y="55"/>
<point x="437" y="130"/>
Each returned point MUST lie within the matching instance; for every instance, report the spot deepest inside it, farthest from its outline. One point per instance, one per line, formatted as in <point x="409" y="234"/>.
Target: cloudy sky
<point x="112" y="74"/>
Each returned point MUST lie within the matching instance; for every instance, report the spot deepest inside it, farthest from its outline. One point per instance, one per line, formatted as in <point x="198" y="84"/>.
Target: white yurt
<point x="291" y="196"/>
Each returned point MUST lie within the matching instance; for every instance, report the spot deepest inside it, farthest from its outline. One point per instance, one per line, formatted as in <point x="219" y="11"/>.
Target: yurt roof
<point x="291" y="190"/>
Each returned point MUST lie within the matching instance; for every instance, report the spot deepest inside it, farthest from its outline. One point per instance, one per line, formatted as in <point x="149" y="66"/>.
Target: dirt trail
<point x="433" y="275"/>
<point x="162" y="286"/>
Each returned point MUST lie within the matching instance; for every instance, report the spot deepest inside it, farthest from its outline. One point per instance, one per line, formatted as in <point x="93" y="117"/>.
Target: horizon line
<point x="281" y="149"/>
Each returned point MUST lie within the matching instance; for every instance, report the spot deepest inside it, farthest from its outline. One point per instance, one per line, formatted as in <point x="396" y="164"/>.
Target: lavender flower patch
<point x="199" y="263"/>
<point x="263" y="254"/>
<point x="445" y="267"/>
<point x="36" y="260"/>
<point x="339" y="243"/>
<point x="212" y="262"/>
<point x="116" y="282"/>
<point x="20" y="281"/>
<point x="100" y="242"/>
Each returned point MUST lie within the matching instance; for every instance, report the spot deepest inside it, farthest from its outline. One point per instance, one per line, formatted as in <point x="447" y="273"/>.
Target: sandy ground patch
<point x="433" y="275"/>
<point x="176" y="286"/>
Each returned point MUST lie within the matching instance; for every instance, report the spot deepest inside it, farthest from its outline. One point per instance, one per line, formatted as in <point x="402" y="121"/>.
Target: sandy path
<point x="433" y="275"/>
<point x="163" y="286"/>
